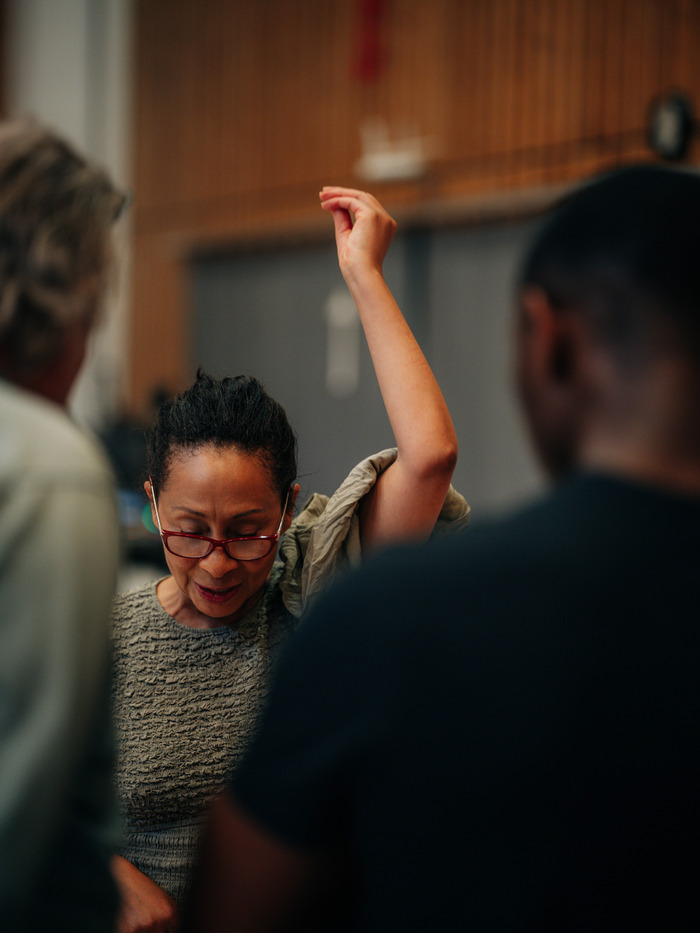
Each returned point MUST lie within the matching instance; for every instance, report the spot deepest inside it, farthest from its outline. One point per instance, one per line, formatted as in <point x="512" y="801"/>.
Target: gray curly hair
<point x="56" y="214"/>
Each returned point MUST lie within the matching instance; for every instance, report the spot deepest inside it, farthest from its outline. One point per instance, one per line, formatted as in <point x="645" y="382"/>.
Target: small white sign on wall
<point x="342" y="345"/>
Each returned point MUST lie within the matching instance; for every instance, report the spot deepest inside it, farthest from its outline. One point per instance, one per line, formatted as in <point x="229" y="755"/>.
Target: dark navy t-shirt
<point x="497" y="731"/>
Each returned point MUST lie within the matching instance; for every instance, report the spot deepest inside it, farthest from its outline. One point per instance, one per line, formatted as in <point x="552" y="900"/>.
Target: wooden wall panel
<point x="244" y="108"/>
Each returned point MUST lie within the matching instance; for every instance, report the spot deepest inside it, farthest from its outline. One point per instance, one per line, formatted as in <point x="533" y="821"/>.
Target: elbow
<point x="448" y="459"/>
<point x="439" y="462"/>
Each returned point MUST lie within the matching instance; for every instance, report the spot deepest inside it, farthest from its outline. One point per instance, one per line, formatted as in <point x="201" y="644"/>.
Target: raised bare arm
<point x="408" y="496"/>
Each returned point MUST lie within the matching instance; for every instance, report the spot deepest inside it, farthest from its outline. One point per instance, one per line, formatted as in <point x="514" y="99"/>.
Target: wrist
<point x="363" y="277"/>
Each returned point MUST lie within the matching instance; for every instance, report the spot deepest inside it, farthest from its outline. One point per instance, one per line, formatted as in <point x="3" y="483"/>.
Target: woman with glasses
<point x="193" y="651"/>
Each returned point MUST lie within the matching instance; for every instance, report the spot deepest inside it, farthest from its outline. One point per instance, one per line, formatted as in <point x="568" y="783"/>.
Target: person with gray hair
<point x="59" y="542"/>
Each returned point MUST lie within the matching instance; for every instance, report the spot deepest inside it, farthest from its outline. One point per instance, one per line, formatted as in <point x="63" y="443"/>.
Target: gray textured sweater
<point x="185" y="701"/>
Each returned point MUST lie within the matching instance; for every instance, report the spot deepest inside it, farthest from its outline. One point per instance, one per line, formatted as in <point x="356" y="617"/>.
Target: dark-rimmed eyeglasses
<point x="196" y="547"/>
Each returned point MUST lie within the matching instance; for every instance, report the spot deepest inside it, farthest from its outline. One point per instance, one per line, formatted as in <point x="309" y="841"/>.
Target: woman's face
<point x="221" y="493"/>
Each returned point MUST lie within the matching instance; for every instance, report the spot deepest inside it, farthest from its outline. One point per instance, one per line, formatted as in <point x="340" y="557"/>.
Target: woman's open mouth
<point x="216" y="596"/>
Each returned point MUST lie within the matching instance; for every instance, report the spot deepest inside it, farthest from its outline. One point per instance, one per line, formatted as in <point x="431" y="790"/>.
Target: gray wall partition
<point x="266" y="313"/>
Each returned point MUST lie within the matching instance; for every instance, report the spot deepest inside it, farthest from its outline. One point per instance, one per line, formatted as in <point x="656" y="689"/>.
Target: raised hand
<point x="363" y="229"/>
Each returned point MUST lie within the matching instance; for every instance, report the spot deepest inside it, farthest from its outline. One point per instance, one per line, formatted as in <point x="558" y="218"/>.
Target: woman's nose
<point x="218" y="563"/>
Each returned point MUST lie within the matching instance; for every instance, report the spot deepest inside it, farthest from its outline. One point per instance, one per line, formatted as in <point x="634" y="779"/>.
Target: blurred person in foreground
<point x="506" y="739"/>
<point x="59" y="543"/>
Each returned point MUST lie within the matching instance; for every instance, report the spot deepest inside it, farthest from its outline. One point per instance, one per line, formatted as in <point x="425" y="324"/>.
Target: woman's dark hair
<point x="230" y="412"/>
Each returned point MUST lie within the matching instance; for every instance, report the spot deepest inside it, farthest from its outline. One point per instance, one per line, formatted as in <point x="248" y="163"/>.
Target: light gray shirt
<point x="59" y="555"/>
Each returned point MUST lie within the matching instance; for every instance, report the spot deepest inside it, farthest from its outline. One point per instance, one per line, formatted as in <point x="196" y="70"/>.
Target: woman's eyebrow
<point x="238" y="515"/>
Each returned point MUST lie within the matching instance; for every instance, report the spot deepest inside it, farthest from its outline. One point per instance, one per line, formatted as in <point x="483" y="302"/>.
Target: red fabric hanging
<point x="370" y="47"/>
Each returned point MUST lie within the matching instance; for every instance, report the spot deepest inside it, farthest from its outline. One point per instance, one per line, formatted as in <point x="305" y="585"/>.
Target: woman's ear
<point x="293" y="494"/>
<point x="148" y="488"/>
